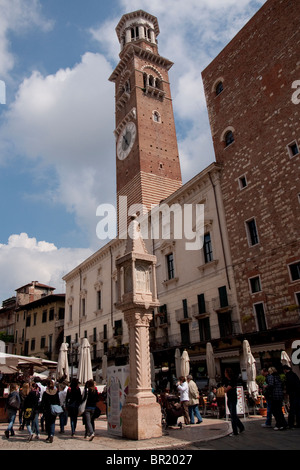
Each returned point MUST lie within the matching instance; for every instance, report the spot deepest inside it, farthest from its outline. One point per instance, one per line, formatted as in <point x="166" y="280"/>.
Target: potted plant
<point x="260" y="380"/>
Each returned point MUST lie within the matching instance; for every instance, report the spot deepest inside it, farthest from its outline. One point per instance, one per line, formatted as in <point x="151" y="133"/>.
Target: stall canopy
<point x="14" y="362"/>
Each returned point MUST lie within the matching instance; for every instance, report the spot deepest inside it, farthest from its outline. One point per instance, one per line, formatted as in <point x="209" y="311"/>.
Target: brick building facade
<point x="254" y="113"/>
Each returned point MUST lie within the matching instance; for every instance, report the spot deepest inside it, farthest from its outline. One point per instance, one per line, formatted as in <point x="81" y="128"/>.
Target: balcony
<point x="102" y="337"/>
<point x="182" y="316"/>
<point x="224" y="305"/>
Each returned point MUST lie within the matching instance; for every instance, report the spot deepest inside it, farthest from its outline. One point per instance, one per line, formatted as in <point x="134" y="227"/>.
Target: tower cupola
<point x="138" y="26"/>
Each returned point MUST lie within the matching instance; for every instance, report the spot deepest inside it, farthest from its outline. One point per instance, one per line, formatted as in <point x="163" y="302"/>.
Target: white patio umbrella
<point x="284" y="358"/>
<point x="104" y="368"/>
<point x="211" y="365"/>
<point x="250" y="369"/>
<point x="177" y="363"/>
<point x="185" y="364"/>
<point x="85" y="372"/>
<point x="62" y="369"/>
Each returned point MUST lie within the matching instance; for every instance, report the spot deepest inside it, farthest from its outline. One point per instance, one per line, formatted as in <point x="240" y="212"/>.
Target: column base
<point x="141" y="421"/>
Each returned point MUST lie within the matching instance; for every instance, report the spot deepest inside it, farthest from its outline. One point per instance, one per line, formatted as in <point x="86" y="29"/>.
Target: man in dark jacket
<point x="293" y="391"/>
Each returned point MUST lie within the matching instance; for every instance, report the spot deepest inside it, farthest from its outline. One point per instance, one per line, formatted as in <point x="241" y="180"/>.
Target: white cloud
<point x="17" y="16"/>
<point x="66" y="121"/>
<point x="24" y="259"/>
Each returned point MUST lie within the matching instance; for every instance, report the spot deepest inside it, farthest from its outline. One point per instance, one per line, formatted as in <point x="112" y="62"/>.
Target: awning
<point x="268" y="347"/>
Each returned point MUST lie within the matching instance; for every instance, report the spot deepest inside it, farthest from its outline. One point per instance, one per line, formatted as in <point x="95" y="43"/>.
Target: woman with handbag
<point x="50" y="399"/>
<point x="30" y="408"/>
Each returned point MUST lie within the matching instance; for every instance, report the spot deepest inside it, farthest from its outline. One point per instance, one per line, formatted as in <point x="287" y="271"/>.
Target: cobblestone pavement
<point x="212" y="434"/>
<point x="254" y="438"/>
<point x="173" y="438"/>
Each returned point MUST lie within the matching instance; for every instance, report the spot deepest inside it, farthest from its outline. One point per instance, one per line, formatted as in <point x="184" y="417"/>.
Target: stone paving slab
<point x="173" y="438"/>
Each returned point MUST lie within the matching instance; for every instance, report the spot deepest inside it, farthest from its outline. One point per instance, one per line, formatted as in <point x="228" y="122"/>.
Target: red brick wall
<point x="258" y="68"/>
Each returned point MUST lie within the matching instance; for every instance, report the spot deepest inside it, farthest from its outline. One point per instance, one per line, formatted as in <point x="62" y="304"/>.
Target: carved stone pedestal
<point x="141" y="414"/>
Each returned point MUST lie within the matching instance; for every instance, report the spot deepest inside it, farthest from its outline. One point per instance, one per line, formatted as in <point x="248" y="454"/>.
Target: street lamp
<point x="73" y="351"/>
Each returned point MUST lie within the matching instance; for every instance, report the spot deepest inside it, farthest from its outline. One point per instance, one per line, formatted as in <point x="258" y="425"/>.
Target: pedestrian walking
<point x="91" y="395"/>
<point x="12" y="406"/>
<point x="73" y="400"/>
<point x="266" y="393"/>
<point x="35" y="423"/>
<point x="31" y="403"/>
<point x="23" y="392"/>
<point x="193" y="401"/>
<point x="293" y="391"/>
<point x="183" y="389"/>
<point x="50" y="397"/>
<point x="275" y="392"/>
<point x="63" y="417"/>
<point x="230" y="390"/>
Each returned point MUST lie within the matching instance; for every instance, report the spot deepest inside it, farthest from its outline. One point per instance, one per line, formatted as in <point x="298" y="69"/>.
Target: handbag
<point x="28" y="413"/>
<point x="81" y="408"/>
<point x="56" y="410"/>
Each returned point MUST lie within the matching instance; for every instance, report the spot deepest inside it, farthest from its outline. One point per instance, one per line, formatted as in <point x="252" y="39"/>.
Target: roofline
<point x="42" y="301"/>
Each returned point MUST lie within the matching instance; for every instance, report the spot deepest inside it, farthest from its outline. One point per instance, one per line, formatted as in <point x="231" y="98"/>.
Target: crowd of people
<point x="38" y="404"/>
<point x="273" y="391"/>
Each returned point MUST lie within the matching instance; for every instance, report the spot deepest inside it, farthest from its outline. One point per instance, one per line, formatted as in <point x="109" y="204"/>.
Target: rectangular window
<point x="293" y="149"/>
<point x="28" y="320"/>
<point x="223" y="297"/>
<point x="94" y="335"/>
<point x="51" y="314"/>
<point x="44" y="316"/>
<point x="99" y="300"/>
<point x="70" y="312"/>
<point x="242" y="182"/>
<point x="295" y="271"/>
<point x="204" y="329"/>
<point x="83" y="307"/>
<point x="207" y="247"/>
<point x="252" y="232"/>
<point x="170" y="266"/>
<point x="260" y="317"/>
<point x="185" y="333"/>
<point x="43" y="342"/>
<point x="255" y="285"/>
<point x="32" y="345"/>
<point x="185" y="308"/>
<point x="34" y="318"/>
<point x="225" y="324"/>
<point x="201" y="304"/>
<point x="61" y="313"/>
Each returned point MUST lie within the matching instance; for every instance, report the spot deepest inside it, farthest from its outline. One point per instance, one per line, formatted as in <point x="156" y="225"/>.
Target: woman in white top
<point x="183" y="388"/>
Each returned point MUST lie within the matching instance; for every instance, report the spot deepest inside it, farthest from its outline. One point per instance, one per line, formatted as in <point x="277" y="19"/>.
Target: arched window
<point x="156" y="116"/>
<point x="229" y="138"/>
<point x="219" y="88"/>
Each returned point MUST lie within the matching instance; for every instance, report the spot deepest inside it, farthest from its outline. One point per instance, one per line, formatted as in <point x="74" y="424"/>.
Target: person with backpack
<point x="12" y="407"/>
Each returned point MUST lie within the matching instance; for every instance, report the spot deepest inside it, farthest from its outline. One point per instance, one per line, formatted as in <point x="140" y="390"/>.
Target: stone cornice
<point x="133" y="50"/>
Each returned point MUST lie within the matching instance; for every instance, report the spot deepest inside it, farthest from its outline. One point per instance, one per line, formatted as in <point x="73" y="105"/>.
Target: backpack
<point x="13" y="401"/>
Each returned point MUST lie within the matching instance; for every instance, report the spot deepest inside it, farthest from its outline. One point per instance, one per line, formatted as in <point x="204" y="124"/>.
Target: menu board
<point x="240" y="406"/>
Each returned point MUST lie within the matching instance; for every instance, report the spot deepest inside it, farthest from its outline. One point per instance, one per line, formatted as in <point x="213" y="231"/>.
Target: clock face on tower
<point x="126" y="140"/>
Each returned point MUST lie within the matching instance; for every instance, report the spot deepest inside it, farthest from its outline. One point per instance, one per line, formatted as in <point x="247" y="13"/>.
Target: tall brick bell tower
<point x="148" y="168"/>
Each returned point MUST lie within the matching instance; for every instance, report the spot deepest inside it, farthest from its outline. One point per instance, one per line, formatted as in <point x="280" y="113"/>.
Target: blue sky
<point x="57" y="148"/>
